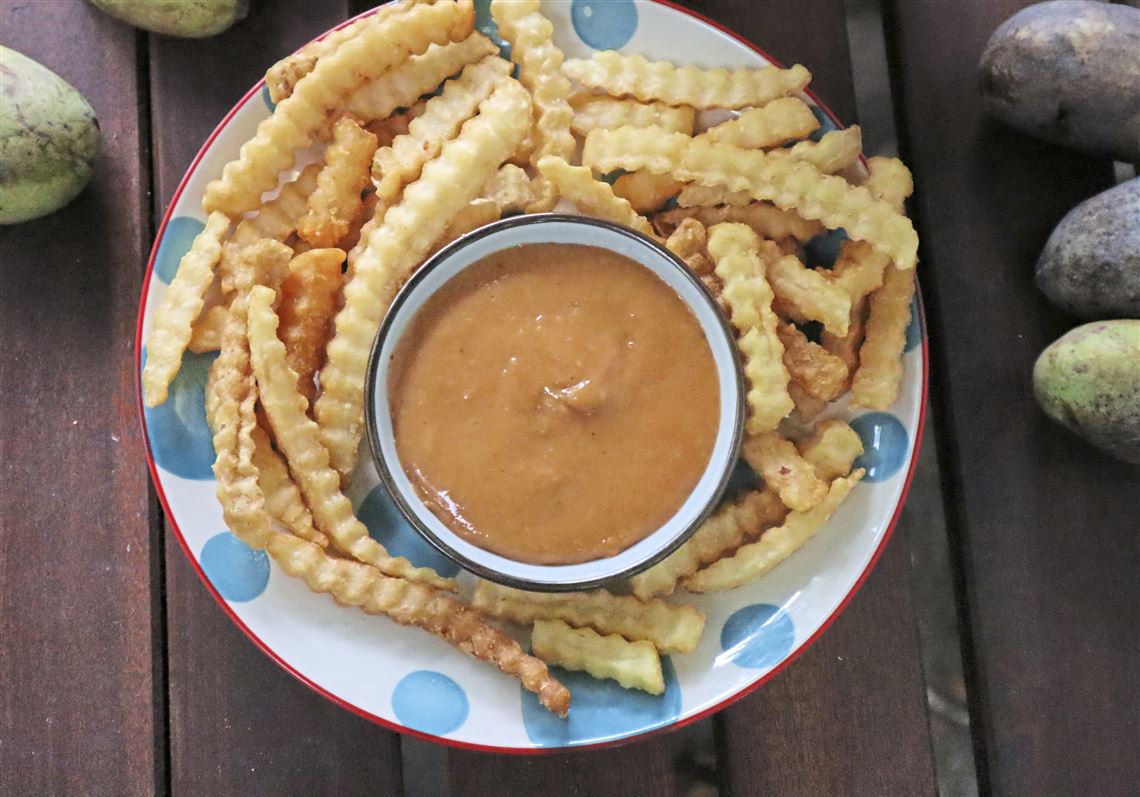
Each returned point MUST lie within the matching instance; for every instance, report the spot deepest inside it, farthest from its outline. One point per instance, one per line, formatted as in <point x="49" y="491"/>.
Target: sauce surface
<point x="554" y="403"/>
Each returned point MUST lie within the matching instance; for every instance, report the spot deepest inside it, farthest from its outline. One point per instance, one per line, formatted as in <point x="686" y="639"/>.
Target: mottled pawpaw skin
<point x="1067" y="71"/>
<point x="188" y="19"/>
<point x="1089" y="381"/>
<point x="49" y="138"/>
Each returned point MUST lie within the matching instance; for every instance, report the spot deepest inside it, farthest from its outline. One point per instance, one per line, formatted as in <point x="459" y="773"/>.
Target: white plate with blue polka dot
<point x="406" y="679"/>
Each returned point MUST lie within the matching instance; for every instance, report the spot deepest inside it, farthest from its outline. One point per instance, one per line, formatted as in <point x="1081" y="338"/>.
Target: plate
<point x="412" y="682"/>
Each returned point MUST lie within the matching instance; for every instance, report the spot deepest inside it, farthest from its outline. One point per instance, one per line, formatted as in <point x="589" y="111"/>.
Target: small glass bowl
<point x="567" y="229"/>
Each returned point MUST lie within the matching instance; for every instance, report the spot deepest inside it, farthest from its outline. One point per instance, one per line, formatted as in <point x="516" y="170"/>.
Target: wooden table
<point x="120" y="676"/>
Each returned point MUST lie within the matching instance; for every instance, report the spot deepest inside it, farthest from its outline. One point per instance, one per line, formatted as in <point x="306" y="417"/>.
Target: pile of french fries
<point x="423" y="136"/>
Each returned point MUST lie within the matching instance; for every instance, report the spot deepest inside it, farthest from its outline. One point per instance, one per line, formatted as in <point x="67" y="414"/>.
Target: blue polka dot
<point x="176" y="241"/>
<point x="757" y="637"/>
<point x="180" y="438"/>
<point x="388" y="526"/>
<point x="237" y="571"/>
<point x="823" y="250"/>
<point x="601" y="709"/>
<point x="885" y="445"/>
<point x="914" y="328"/>
<point x="825" y="124"/>
<point x="269" y="103"/>
<point x="604" y="24"/>
<point x="430" y="702"/>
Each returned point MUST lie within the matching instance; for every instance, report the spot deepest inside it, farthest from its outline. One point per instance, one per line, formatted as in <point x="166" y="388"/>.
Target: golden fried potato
<point x="299" y="439"/>
<point x="634" y="665"/>
<point x="789" y="183"/>
<point x="635" y="76"/>
<point x="774" y="546"/>
<point x="299" y="117"/>
<point x="206" y="334"/>
<point x="749" y="298"/>
<point x="337" y="199"/>
<point x="812" y="367"/>
<point x="782" y="468"/>
<point x="594" y="111"/>
<point x="309" y="295"/>
<point x="771" y="125"/>
<point x="646" y="192"/>
<point x="732" y="523"/>
<point x="397" y="244"/>
<point x="172" y="325"/>
<point x="672" y="628"/>
<point x="592" y="197"/>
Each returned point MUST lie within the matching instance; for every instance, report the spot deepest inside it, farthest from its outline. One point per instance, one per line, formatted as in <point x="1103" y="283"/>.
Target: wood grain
<point x="1045" y="526"/>
<point x="77" y="710"/>
<point x="850" y="715"/>
<point x="239" y="723"/>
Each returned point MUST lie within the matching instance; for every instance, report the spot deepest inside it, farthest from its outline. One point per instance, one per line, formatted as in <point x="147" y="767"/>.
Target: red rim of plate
<point x="679" y="723"/>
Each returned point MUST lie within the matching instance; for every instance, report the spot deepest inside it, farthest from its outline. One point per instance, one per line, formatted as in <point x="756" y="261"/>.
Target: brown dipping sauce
<point x="554" y="403"/>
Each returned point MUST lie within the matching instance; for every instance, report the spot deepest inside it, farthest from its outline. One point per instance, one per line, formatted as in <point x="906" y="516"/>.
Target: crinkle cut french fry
<point x="774" y="546"/>
<point x="409" y="603"/>
<point x="235" y="394"/>
<point x="811" y="294"/>
<point x="395" y="166"/>
<point x="309" y="295"/>
<point x="858" y="269"/>
<point x="283" y="499"/>
<point x="298" y="437"/>
<point x="634" y="75"/>
<point x="731" y="524"/>
<point x="634" y="665"/>
<point x="847" y="347"/>
<point x="782" y="468"/>
<point x="812" y="367"/>
<point x="407" y="233"/>
<point x="689" y="241"/>
<point x="301" y="115"/>
<point x="772" y="125"/>
<point x="833" y="153"/>
<point x="766" y="220"/>
<point x="367" y="210"/>
<point x="592" y="197"/>
<point x="593" y="111"/>
<point x="173" y="321"/>
<point x="336" y="201"/>
<point x="672" y="628"/>
<point x="401" y="86"/>
<point x="789" y="183"/>
<point x="206" y="335"/>
<point x="509" y="188"/>
<point x="832" y="448"/>
<point x="529" y="33"/>
<point x="889" y="180"/>
<point x="645" y="191"/>
<point x="277" y="218"/>
<point x="878" y="379"/>
<point x="286" y="73"/>
<point x="749" y="298"/>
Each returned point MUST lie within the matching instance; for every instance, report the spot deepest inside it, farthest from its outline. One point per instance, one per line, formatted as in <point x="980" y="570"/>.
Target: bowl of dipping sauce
<point x="555" y="402"/>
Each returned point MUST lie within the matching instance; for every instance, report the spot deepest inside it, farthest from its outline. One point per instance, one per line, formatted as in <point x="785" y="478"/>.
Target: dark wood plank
<point x="1045" y="526"/>
<point x="238" y="723"/>
<point x="77" y="694"/>
<point x="850" y="715"/>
